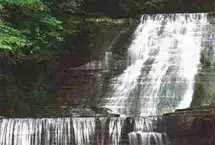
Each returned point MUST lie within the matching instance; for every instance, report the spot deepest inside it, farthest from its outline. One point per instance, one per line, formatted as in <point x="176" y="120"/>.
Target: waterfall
<point x="115" y="128"/>
<point x="162" y="61"/>
<point x="144" y="124"/>
<point x="76" y="131"/>
<point x="35" y="131"/>
<point x="145" y="133"/>
<point x="84" y="129"/>
<point x="101" y="133"/>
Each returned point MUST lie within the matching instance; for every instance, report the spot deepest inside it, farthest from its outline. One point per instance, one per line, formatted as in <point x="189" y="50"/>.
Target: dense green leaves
<point x="10" y="38"/>
<point x="33" y="33"/>
<point x="65" y="6"/>
<point x="29" y="4"/>
<point x="35" y="28"/>
<point x="134" y="7"/>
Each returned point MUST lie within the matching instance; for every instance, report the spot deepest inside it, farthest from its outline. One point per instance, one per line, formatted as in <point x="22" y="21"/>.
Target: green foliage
<point x="29" y="4"/>
<point x="34" y="28"/>
<point x="21" y="2"/>
<point x="124" y="8"/>
<point x="138" y="6"/>
<point x="65" y="6"/>
<point x="33" y="33"/>
<point x="11" y="39"/>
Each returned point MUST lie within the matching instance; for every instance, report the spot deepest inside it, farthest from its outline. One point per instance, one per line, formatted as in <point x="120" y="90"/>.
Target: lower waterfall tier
<point x="148" y="138"/>
<point x="194" y="126"/>
<point x="75" y="131"/>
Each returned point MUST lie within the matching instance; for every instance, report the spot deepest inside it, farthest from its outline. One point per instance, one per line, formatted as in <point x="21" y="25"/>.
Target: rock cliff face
<point x="204" y="83"/>
<point x="194" y="126"/>
<point x="85" y="80"/>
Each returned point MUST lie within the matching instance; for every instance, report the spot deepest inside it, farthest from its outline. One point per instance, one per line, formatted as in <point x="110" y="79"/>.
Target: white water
<point x="147" y="138"/>
<point x="145" y="134"/>
<point x="115" y="130"/>
<point x="61" y="131"/>
<point x="162" y="61"/>
<point x="84" y="129"/>
<point x="35" y="131"/>
<point x="144" y="124"/>
<point x="102" y="136"/>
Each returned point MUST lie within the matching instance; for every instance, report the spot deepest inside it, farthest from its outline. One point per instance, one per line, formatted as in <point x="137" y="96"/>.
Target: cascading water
<point x="84" y="129"/>
<point x="162" y="61"/>
<point x="35" y="131"/>
<point x="115" y="129"/>
<point x="145" y="133"/>
<point x="101" y="137"/>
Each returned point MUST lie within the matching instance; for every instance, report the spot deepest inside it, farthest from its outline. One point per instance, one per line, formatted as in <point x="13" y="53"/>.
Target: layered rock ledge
<point x="192" y="126"/>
